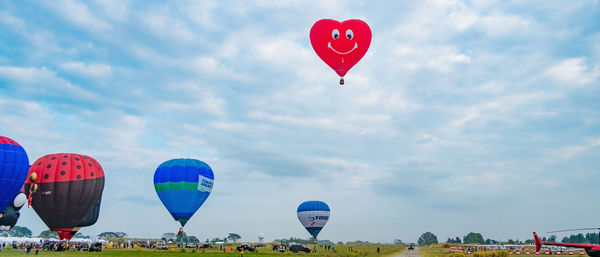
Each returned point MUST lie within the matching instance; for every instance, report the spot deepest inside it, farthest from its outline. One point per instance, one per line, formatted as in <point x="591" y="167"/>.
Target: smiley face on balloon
<point x="340" y="44"/>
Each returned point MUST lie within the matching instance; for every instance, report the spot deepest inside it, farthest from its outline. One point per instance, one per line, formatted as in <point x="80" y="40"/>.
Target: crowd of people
<point x="28" y="247"/>
<point x="24" y="247"/>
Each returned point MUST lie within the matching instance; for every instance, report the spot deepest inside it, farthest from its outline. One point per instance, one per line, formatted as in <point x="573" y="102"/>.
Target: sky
<point x="463" y="116"/>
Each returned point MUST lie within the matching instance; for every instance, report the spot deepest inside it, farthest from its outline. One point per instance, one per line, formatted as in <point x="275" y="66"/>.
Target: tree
<point x="168" y="236"/>
<point x="192" y="239"/>
<point x="453" y="241"/>
<point x="105" y="235"/>
<point x="592" y="238"/>
<point x="552" y="239"/>
<point x="473" y="238"/>
<point x="491" y="242"/>
<point x="121" y="234"/>
<point x="48" y="234"/>
<point x="574" y="239"/>
<point x="18" y="231"/>
<point x="233" y="237"/>
<point x="427" y="238"/>
<point x="109" y="234"/>
<point x="79" y="235"/>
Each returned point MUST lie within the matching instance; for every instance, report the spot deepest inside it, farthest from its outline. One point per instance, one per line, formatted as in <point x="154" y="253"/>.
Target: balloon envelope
<point x="10" y="215"/>
<point x="13" y="170"/>
<point x="92" y="215"/>
<point x="340" y="44"/>
<point x="68" y="186"/>
<point x="313" y="215"/>
<point x="183" y="185"/>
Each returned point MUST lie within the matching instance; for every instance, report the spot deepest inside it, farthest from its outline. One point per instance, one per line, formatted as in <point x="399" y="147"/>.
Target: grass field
<point x="440" y="251"/>
<point x="340" y="251"/>
<point x="433" y="251"/>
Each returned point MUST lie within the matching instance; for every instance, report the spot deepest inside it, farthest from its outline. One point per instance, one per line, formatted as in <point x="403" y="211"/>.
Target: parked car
<point x="246" y="247"/>
<point x="299" y="248"/>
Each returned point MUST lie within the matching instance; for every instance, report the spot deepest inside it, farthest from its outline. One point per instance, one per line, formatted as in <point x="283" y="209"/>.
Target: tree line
<point x="429" y="238"/>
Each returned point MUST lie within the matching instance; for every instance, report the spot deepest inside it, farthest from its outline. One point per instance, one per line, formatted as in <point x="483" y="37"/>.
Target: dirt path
<point x="409" y="253"/>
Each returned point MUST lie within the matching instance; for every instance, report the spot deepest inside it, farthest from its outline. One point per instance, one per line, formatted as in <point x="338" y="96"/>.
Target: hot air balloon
<point x="13" y="170"/>
<point x="63" y="188"/>
<point x="10" y="215"/>
<point x="183" y="185"/>
<point x="313" y="215"/>
<point x="91" y="217"/>
<point x="340" y="44"/>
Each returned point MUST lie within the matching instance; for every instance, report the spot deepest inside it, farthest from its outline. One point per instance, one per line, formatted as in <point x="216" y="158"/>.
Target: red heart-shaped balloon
<point x="340" y="44"/>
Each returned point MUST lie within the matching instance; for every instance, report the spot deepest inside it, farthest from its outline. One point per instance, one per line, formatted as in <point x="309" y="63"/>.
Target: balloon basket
<point x="341" y="81"/>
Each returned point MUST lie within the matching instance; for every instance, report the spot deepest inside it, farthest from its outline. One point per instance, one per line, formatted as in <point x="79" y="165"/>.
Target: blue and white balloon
<point x="313" y="215"/>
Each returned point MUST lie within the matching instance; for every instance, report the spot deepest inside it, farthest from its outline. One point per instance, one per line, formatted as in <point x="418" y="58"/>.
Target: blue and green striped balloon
<point x="183" y="185"/>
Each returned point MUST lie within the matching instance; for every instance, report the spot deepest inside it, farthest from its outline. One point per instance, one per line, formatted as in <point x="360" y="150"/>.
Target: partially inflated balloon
<point x="67" y="187"/>
<point x="10" y="215"/>
<point x="340" y="44"/>
<point x="183" y="185"/>
<point x="13" y="170"/>
<point x="313" y="215"/>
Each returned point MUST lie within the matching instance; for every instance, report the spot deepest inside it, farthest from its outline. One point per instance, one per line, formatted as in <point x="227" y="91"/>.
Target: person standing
<point x="377" y="250"/>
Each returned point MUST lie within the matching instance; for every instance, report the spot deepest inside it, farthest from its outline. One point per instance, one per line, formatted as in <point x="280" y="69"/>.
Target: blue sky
<point x="463" y="115"/>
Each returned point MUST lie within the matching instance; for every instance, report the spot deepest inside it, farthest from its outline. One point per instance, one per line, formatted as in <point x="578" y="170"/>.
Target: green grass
<point x="340" y="251"/>
<point x="433" y="251"/>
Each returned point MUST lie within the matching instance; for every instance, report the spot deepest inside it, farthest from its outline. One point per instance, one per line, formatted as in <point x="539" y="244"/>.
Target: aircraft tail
<point x="538" y="242"/>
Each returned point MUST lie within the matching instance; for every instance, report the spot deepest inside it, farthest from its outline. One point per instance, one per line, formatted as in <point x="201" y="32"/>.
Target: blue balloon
<point x="14" y="166"/>
<point x="313" y="215"/>
<point x="183" y="185"/>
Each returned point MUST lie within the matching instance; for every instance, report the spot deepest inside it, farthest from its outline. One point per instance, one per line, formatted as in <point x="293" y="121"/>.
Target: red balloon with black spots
<point x="68" y="185"/>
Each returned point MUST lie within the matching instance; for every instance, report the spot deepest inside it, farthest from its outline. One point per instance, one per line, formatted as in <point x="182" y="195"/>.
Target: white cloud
<point x="164" y="26"/>
<point x="79" y="15"/>
<point x="10" y="20"/>
<point x="44" y="42"/>
<point x="434" y="57"/>
<point x="95" y="70"/>
<point x="35" y="81"/>
<point x="487" y="178"/>
<point x="502" y="108"/>
<point x="571" y="151"/>
<point x="504" y="25"/>
<point x="323" y="123"/>
<point x="202" y="13"/>
<point x="114" y="9"/>
<point x="211" y="66"/>
<point x="573" y="72"/>
<point x="353" y="173"/>
<point x="29" y="123"/>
